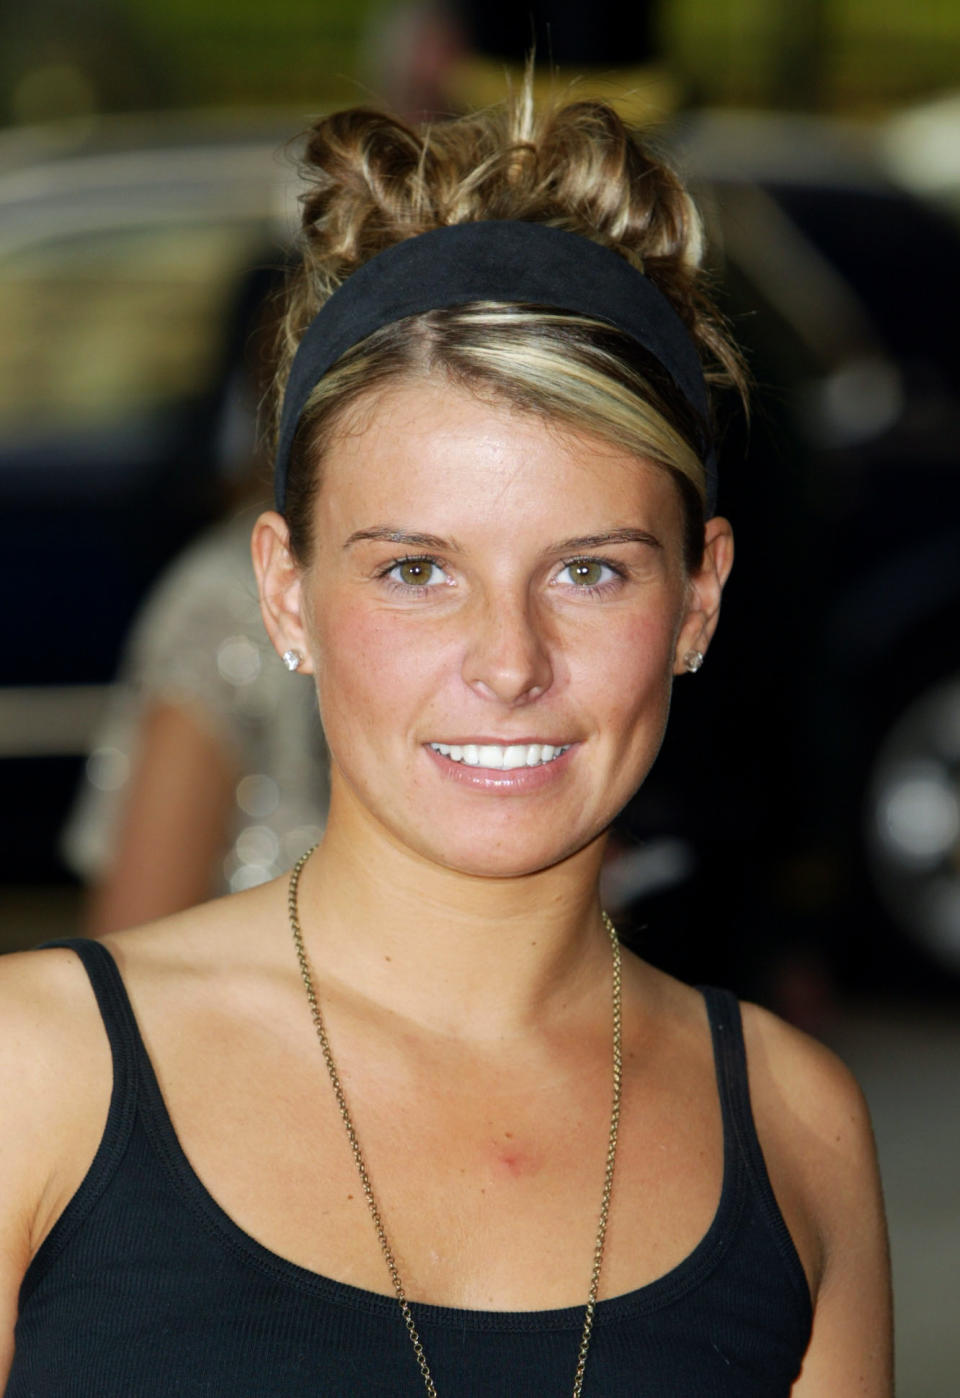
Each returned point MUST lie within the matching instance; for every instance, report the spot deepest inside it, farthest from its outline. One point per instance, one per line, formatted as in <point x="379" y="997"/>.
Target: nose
<point x="508" y="654"/>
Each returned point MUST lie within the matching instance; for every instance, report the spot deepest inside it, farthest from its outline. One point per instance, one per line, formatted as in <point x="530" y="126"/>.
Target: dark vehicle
<point x="827" y="754"/>
<point x="812" y="772"/>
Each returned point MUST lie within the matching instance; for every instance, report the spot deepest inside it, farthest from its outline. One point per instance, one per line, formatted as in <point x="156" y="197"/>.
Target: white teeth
<point x="498" y="758"/>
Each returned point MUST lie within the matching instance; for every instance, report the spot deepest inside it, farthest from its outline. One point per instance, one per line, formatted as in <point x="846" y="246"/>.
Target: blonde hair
<point x="374" y="181"/>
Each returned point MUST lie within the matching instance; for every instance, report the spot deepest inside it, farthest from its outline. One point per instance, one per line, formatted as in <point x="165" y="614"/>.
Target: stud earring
<point x="692" y="661"/>
<point x="292" y="659"/>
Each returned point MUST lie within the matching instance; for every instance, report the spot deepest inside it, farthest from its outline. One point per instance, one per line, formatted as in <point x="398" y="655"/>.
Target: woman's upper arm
<point x="816" y="1134"/>
<point x="851" y="1348"/>
<point x="55" y="1080"/>
<point x="12" y="1268"/>
<point x="174" y="824"/>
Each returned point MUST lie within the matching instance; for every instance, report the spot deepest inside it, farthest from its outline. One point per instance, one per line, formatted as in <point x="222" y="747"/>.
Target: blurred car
<point x="842" y="613"/>
<point x="774" y="817"/>
<point x="122" y="255"/>
<point x="920" y="146"/>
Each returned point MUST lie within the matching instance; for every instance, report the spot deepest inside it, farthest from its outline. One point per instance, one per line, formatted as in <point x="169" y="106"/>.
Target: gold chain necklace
<point x="367" y="1187"/>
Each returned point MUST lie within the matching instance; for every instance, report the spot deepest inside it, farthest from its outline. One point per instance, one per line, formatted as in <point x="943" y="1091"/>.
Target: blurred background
<point x="799" y="839"/>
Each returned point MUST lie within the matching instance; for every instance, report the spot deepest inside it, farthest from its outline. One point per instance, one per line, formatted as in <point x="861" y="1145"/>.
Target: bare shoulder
<point x="56" y="1071"/>
<point x="55" y="1082"/>
<point x="49" y="1025"/>
<point x="814" y="1126"/>
<point x="788" y="1067"/>
<point x="51" y="1034"/>
<point x="815" y="1131"/>
<point x="54" y="1054"/>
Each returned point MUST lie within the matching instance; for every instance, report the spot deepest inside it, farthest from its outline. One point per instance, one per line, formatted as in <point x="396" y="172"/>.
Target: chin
<point x="504" y="858"/>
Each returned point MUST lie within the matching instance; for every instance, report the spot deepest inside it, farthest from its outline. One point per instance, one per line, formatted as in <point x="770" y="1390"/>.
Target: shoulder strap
<point x="730" y="1058"/>
<point x="125" y="1046"/>
<point x="113" y="1003"/>
<point x="739" y="1127"/>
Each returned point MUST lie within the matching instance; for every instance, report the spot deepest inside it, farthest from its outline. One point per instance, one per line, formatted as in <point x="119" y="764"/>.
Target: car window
<point x="107" y="324"/>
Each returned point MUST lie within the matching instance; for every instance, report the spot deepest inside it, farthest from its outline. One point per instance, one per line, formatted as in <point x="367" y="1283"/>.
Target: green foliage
<point x="58" y="57"/>
<point x="293" y="52"/>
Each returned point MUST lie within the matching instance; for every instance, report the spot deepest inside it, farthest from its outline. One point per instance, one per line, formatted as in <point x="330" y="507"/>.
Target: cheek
<point x="367" y="667"/>
<point x="351" y="654"/>
<point x="634" y="675"/>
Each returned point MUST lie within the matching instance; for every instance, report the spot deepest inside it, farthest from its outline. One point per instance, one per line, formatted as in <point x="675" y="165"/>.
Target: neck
<point x="473" y="958"/>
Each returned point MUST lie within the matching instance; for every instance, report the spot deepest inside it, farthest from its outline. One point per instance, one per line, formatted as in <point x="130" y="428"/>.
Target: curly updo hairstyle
<point x="374" y="180"/>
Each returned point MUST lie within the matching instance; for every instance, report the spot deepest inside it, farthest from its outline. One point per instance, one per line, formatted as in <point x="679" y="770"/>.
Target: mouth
<point x="499" y="757"/>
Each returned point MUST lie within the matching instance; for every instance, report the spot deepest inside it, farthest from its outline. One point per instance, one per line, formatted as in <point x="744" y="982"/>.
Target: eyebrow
<point x="388" y="534"/>
<point x="391" y="535"/>
<point x="609" y="536"/>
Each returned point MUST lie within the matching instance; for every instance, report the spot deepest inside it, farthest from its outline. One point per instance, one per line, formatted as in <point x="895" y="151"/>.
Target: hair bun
<point x="373" y="180"/>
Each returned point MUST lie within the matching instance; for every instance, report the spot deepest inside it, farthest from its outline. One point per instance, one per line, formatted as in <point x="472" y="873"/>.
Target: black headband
<point x="505" y="261"/>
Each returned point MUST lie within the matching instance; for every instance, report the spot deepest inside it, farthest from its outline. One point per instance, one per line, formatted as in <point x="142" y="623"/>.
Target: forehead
<point x="429" y="446"/>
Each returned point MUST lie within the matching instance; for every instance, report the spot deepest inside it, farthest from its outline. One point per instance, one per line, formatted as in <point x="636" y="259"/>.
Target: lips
<point x="499" y="757"/>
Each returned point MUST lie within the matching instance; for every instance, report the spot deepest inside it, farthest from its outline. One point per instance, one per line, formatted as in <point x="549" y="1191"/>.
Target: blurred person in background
<point x="210" y="771"/>
<point x="430" y="58"/>
<point x="410" y="1120"/>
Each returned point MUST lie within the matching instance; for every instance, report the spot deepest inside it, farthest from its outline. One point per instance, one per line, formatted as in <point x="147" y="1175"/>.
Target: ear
<point x="705" y="588"/>
<point x="280" y="581"/>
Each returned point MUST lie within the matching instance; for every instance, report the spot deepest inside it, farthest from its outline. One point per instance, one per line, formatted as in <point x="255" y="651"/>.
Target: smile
<point x="499" y="758"/>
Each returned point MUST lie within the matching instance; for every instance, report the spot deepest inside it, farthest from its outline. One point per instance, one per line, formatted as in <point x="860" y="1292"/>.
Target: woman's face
<point x="494" y="612"/>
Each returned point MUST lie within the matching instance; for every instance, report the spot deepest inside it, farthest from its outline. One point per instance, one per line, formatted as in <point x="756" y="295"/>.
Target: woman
<point x="199" y="690"/>
<point x="388" y="1128"/>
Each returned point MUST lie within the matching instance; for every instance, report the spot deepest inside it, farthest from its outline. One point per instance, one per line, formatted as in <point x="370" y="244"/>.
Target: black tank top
<point x="145" y="1288"/>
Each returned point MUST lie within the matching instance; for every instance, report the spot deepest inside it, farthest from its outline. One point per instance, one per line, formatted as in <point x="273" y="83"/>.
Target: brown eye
<point x="587" y="572"/>
<point x="417" y="572"/>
